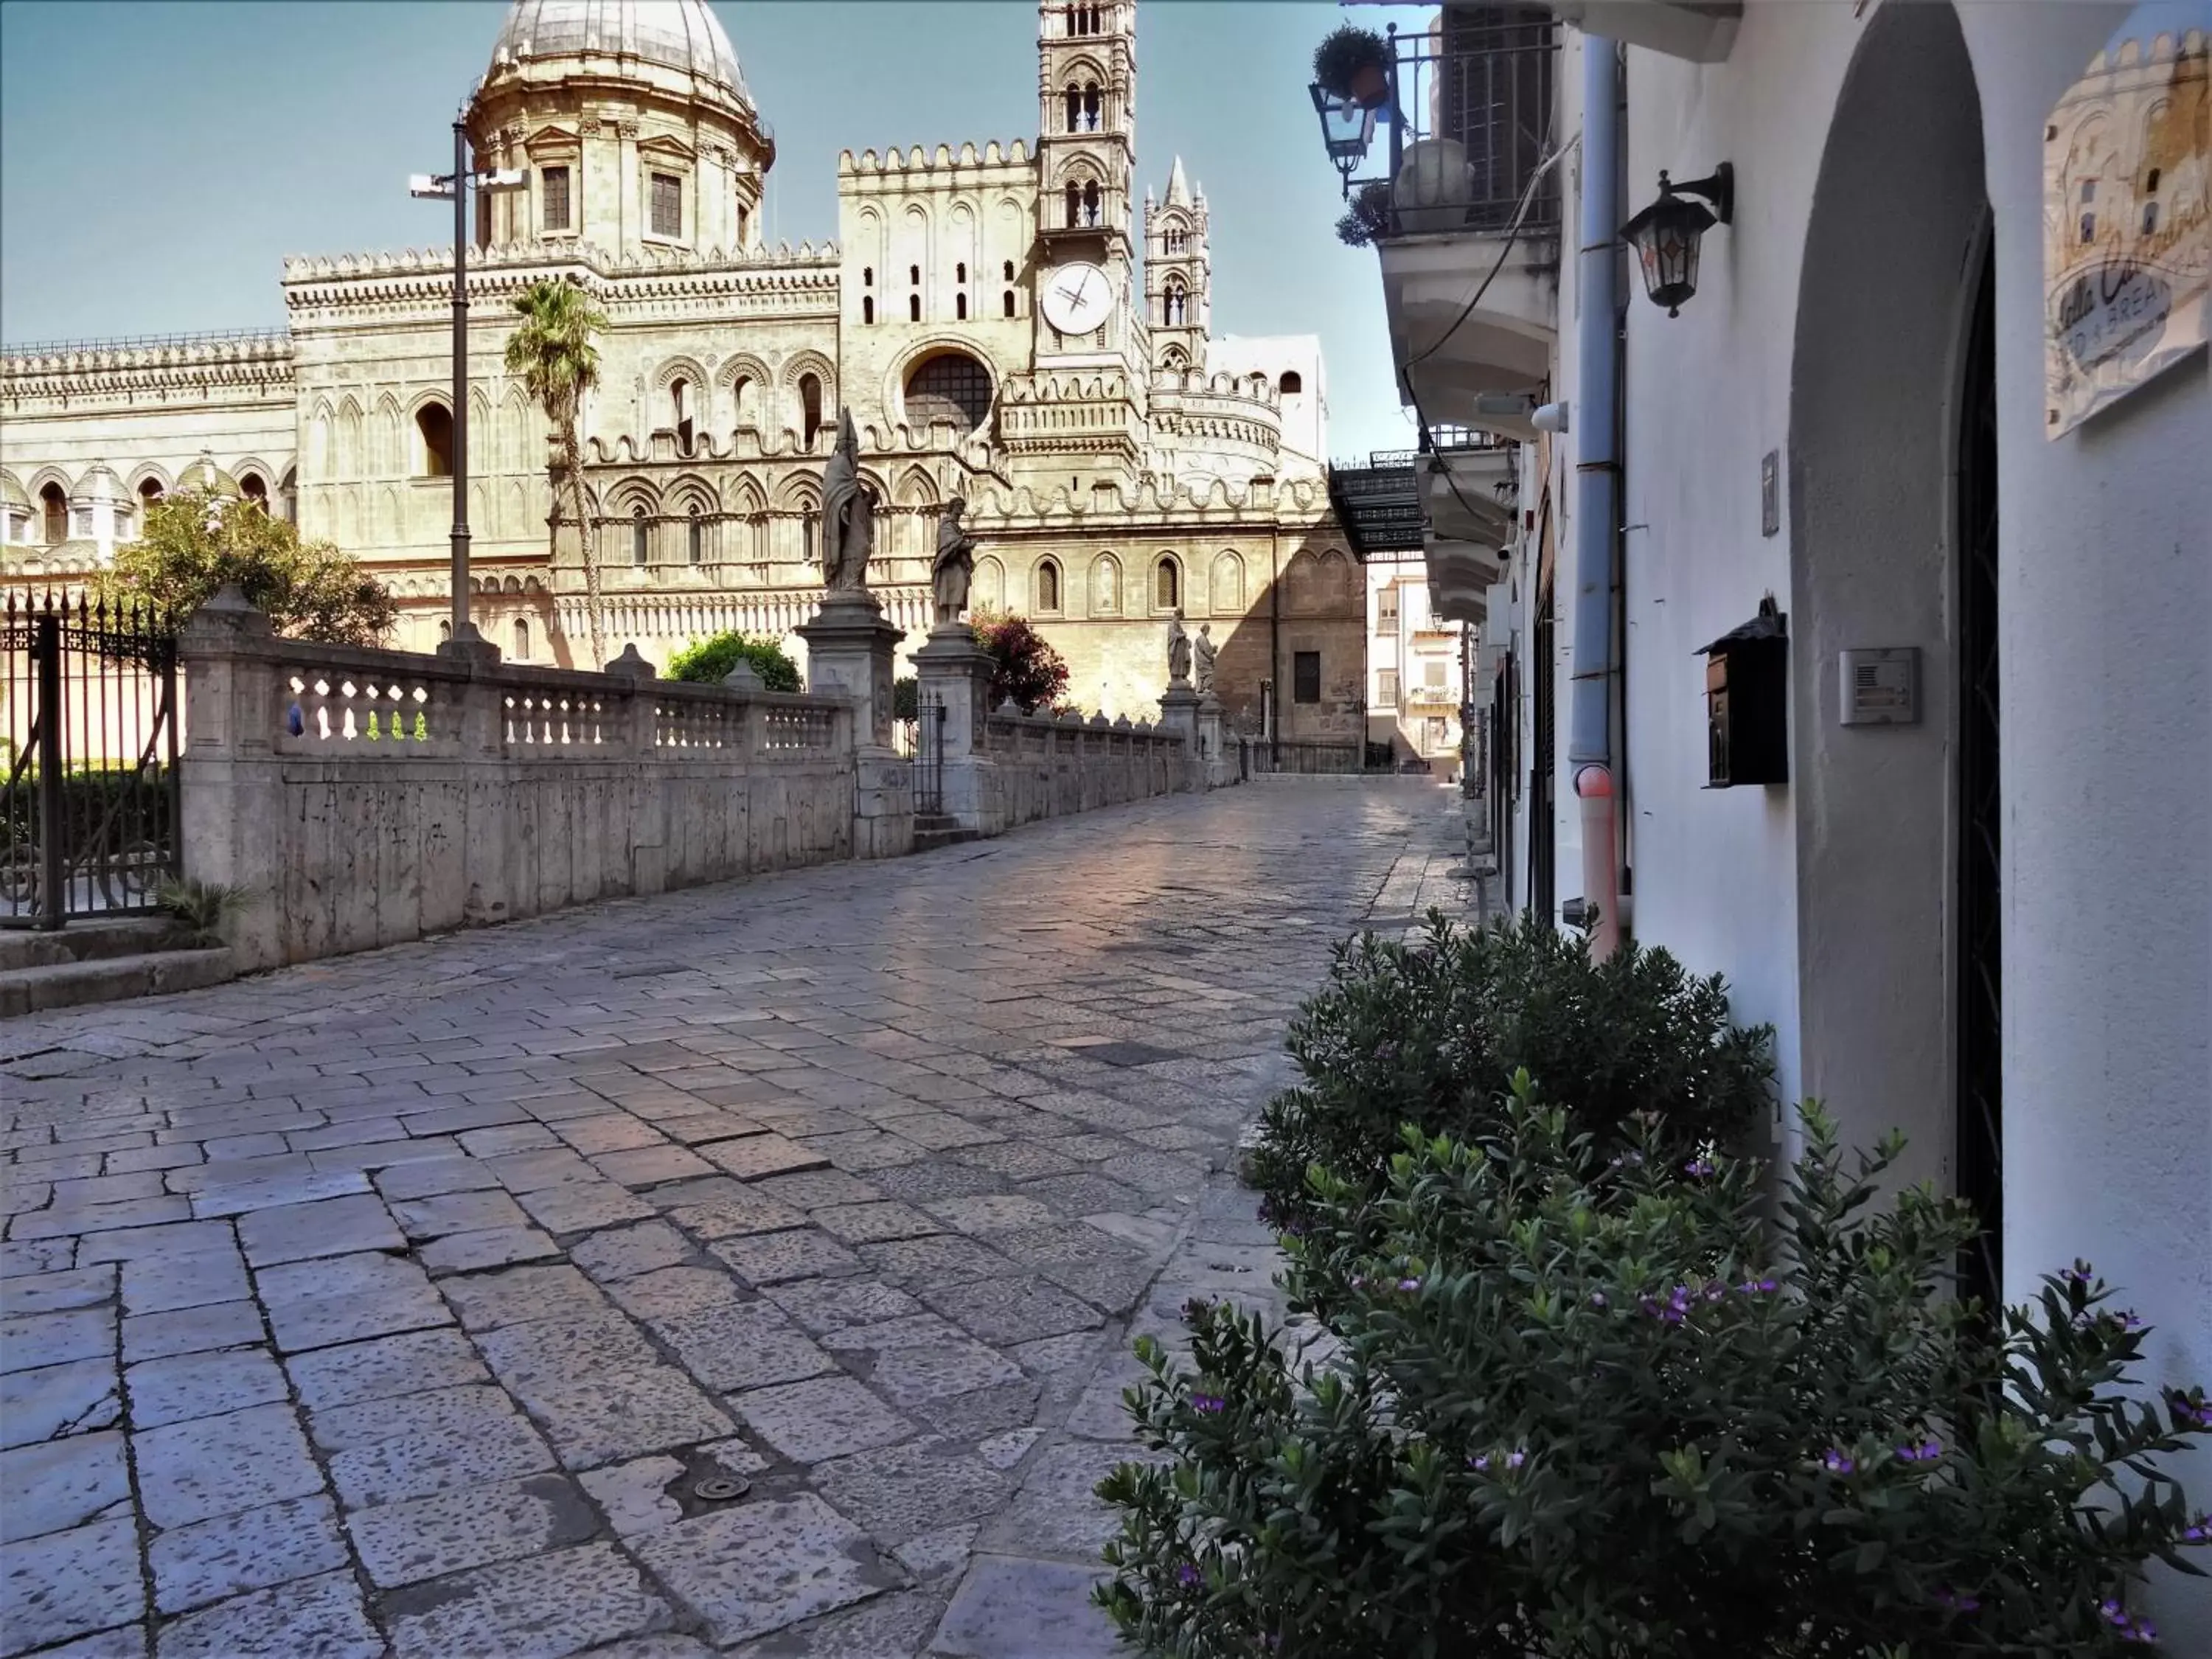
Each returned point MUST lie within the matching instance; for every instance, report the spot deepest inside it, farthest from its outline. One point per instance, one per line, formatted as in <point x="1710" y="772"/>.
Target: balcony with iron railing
<point x="1452" y="171"/>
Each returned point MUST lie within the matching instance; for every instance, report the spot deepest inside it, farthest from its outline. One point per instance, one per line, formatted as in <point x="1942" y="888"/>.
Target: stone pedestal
<point x="849" y="650"/>
<point x="1219" y="771"/>
<point x="953" y="794"/>
<point x="1179" y="715"/>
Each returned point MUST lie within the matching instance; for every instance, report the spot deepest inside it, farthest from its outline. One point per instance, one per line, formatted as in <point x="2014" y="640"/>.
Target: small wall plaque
<point x="1881" y="686"/>
<point x="1770" y="492"/>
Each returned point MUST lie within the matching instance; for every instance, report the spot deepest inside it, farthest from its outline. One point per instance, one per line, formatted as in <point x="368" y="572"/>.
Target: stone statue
<point x="848" y="515"/>
<point x="1204" y="651"/>
<point x="949" y="571"/>
<point x="1178" y="652"/>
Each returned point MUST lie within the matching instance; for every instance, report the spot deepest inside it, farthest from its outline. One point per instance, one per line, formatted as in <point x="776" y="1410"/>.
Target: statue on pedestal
<point x="1178" y="652"/>
<point x="1204" y="651"/>
<point x="955" y="563"/>
<point x="848" y="515"/>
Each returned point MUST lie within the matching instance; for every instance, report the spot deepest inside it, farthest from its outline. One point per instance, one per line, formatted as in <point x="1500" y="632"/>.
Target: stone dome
<point x="204" y="474"/>
<point x="679" y="35"/>
<point x="12" y="494"/>
<point x="99" y="483"/>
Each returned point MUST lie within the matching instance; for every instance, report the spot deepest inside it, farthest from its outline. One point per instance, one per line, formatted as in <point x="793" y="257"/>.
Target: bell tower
<point x="1087" y="151"/>
<point x="1178" y="272"/>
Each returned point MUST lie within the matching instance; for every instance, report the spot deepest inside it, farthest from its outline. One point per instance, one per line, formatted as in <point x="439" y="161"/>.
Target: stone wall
<point x="363" y="798"/>
<point x="1040" y="766"/>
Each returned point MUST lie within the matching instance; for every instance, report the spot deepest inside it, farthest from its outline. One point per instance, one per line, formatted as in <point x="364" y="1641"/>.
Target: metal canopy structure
<point x="1379" y="504"/>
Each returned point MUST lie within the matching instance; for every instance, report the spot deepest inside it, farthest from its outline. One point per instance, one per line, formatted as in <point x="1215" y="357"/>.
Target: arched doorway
<point x="1892" y="488"/>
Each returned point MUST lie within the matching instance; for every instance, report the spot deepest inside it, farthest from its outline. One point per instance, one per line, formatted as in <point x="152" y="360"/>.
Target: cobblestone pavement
<point x="747" y="1269"/>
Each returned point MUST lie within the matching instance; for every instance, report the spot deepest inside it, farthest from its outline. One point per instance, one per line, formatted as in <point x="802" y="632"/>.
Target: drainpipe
<point x="1597" y="490"/>
<point x="1275" y="648"/>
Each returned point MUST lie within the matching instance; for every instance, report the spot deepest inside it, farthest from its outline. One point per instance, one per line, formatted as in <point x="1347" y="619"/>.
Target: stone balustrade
<point x="1043" y="767"/>
<point x="362" y="798"/>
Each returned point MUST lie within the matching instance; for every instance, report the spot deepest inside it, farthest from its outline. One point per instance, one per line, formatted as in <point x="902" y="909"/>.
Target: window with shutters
<point x="553" y="198"/>
<point x="1386" y="688"/>
<point x="667" y="204"/>
<point x="1386" y="610"/>
<point x="1305" y="676"/>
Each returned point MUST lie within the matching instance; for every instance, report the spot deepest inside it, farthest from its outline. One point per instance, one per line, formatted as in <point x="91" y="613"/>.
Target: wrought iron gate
<point x="929" y="758"/>
<point x="88" y="817"/>
<point x="1980" y="986"/>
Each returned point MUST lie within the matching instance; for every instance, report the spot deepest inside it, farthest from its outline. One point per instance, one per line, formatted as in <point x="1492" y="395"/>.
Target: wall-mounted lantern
<point x="1345" y="129"/>
<point x="1665" y="234"/>
<point x="1748" y="701"/>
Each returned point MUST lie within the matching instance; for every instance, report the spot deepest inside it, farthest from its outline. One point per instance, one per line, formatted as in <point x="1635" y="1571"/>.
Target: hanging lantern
<point x="1345" y="129"/>
<point x="1666" y="235"/>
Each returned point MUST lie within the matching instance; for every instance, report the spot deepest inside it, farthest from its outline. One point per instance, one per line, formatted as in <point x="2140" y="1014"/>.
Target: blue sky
<point x="157" y="162"/>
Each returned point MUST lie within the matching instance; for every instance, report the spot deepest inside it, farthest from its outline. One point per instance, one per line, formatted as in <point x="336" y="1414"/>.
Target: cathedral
<point x="1022" y="325"/>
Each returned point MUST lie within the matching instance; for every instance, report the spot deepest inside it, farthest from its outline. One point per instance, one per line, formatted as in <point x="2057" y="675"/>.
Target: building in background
<point x="1846" y="630"/>
<point x="1020" y="325"/>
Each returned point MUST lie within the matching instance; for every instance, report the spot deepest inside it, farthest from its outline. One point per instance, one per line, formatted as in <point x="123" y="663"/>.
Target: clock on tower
<point x="1077" y="297"/>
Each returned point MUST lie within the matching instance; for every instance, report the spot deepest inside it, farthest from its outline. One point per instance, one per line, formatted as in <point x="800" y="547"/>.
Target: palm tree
<point x="553" y="354"/>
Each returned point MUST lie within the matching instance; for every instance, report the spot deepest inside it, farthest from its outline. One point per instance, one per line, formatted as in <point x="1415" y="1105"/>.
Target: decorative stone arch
<point x="749" y="507"/>
<point x="350" y="458"/>
<point x="1302" y="583"/>
<point x="387" y="451"/>
<point x="626" y="495"/>
<point x="1333" y="573"/>
<point x="421" y="462"/>
<point x="990" y="584"/>
<point x="1227" y="594"/>
<point x="512" y="584"/>
<point x="1105" y="586"/>
<point x="808" y="360"/>
<point x="741" y="387"/>
<point x="683" y="493"/>
<point x="903" y="367"/>
<point x="320" y="439"/>
<point x="917" y="488"/>
<point x="250" y="471"/>
<point x="698" y="396"/>
<point x="1048" y="586"/>
<point x="147" y="472"/>
<point x="799" y="494"/>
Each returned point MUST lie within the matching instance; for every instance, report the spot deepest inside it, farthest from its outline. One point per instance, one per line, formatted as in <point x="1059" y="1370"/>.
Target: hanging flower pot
<point x="1354" y="63"/>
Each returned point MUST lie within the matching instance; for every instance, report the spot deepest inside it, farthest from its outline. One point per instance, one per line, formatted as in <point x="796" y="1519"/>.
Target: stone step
<point x="939" y="830"/>
<point x="90" y="939"/>
<point x="48" y="986"/>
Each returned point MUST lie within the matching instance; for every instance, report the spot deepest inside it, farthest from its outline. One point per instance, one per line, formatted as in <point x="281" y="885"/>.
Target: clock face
<point x="1077" y="298"/>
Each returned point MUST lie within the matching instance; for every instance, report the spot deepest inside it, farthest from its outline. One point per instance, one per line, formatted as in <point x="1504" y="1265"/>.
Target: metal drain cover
<point x="720" y="1489"/>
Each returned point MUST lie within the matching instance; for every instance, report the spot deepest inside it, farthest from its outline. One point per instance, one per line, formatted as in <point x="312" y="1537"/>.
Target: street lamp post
<point x="466" y="640"/>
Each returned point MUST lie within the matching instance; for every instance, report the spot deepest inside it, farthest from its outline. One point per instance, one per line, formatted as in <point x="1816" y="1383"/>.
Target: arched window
<point x="695" y="540"/>
<point x="1075" y="195"/>
<point x="960" y="306"/>
<point x="254" y="490"/>
<point x="680" y="406"/>
<point x="641" y="537"/>
<point x="1074" y="100"/>
<point x="1167" y="583"/>
<point x="521" y="640"/>
<point x="1105" y="586"/>
<point x="1174" y="303"/>
<point x="1178" y="238"/>
<point x="2149" y="217"/>
<point x="1091" y="106"/>
<point x="56" y="515"/>
<point x="914" y="307"/>
<point x="1007" y="274"/>
<point x="435" y="424"/>
<point x="150" y="492"/>
<point x="445" y="632"/>
<point x="1048" y="586"/>
<point x="867" y="276"/>
<point x="1175" y="363"/>
<point x="867" y="307"/>
<point x="809" y="523"/>
<point x="1007" y="300"/>
<point x="741" y="400"/>
<point x="1090" y="203"/>
<point x="960" y="272"/>
<point x="950" y="387"/>
<point x="288" y="496"/>
<point x="913" y="276"/>
<point x="2150" y="182"/>
<point x="1291" y="382"/>
<point x="810" y="407"/>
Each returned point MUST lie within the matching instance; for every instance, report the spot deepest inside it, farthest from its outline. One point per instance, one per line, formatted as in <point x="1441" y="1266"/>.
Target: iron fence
<point x="89" y="811"/>
<point x="929" y="758"/>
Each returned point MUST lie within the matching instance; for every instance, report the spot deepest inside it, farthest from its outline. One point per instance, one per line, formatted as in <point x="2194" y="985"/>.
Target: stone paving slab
<point x="414" y="1303"/>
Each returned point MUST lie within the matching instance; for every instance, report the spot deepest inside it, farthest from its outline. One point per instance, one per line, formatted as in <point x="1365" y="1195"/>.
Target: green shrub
<point x="1589" y="1406"/>
<point x="206" y="909"/>
<point x="709" y="660"/>
<point x="906" y="699"/>
<point x="1427" y="1032"/>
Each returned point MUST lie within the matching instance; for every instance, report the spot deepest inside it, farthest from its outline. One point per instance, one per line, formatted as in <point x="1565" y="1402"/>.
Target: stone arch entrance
<point x="1891" y="493"/>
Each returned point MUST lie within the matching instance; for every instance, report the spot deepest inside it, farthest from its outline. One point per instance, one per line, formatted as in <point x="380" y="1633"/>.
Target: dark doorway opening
<point x="1980" y="987"/>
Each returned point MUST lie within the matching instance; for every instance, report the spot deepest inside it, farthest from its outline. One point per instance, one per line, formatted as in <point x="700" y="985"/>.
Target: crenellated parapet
<point x="186" y="364"/>
<point x="1168" y="503"/>
<point x="914" y="158"/>
<point x="1210" y="411"/>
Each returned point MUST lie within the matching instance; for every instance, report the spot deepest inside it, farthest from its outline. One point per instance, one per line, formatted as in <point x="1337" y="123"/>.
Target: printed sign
<point x="2127" y="238"/>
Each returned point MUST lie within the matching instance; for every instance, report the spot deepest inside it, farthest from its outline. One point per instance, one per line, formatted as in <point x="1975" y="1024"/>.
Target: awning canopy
<point x="1379" y="504"/>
